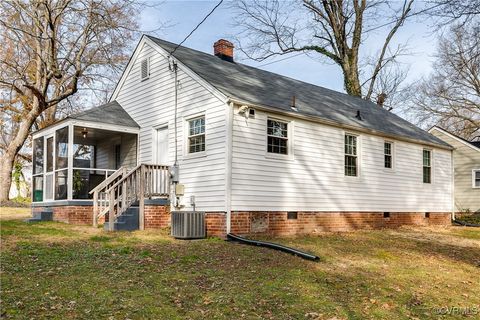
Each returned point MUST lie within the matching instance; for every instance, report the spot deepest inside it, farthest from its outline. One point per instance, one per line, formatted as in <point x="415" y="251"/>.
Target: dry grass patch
<point x="9" y="213"/>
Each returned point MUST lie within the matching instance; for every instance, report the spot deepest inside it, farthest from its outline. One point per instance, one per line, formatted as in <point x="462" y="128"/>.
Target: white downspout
<point x="228" y="162"/>
<point x="453" y="185"/>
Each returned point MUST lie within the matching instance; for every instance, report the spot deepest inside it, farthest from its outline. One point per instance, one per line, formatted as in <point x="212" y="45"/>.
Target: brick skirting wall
<point x="81" y="215"/>
<point x="277" y="223"/>
<point x="216" y="223"/>
<point x="157" y="216"/>
<point x="272" y="223"/>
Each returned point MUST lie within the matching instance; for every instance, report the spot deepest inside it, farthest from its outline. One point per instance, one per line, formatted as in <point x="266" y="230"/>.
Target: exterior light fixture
<point x="84" y="133"/>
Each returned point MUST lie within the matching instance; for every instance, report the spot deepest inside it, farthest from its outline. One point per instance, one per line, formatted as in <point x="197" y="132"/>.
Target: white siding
<point x="313" y="179"/>
<point x="151" y="104"/>
<point x="466" y="159"/>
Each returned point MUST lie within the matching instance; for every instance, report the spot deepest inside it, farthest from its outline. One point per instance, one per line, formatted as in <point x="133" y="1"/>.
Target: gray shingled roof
<point x="475" y="143"/>
<point x="111" y="113"/>
<point x="263" y="88"/>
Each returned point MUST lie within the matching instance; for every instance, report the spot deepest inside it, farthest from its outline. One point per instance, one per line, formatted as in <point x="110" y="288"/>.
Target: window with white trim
<point x="145" y="69"/>
<point x="351" y="157"/>
<point x="476" y="178"/>
<point x="388" y="155"/>
<point x="427" y="166"/>
<point x="196" y="135"/>
<point x="277" y="136"/>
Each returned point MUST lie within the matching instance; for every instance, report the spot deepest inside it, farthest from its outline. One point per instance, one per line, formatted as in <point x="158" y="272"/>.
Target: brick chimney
<point x="223" y="49"/>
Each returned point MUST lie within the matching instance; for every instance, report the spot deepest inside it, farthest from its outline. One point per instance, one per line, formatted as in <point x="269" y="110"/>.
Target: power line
<point x="198" y="25"/>
<point x="283" y="59"/>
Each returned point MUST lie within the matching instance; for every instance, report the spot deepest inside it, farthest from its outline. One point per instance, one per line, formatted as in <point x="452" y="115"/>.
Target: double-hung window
<point x="196" y="135"/>
<point x="476" y="178"/>
<point x="277" y="136"/>
<point x="351" y="157"/>
<point x="427" y="166"/>
<point x="388" y="154"/>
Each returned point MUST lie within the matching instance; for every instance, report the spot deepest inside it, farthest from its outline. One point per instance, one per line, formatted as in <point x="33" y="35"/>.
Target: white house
<point x="466" y="165"/>
<point x="256" y="151"/>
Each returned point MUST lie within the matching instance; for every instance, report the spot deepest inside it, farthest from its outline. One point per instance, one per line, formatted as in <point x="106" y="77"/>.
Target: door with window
<point x="161" y="147"/>
<point x="49" y="172"/>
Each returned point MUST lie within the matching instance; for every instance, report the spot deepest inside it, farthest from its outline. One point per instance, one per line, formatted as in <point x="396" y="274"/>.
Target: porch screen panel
<point x="61" y="184"/>
<point x="48" y="186"/>
<point x="83" y="155"/>
<point x="37" y="188"/>
<point x="50" y="154"/>
<point x="86" y="180"/>
<point x="61" y="156"/>
<point x="38" y="161"/>
<point x="38" y="155"/>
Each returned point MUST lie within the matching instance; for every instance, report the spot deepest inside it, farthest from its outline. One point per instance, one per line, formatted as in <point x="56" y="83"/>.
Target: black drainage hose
<point x="466" y="224"/>
<point x="271" y="245"/>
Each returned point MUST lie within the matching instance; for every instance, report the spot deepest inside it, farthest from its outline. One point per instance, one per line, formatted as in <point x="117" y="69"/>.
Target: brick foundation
<point x="216" y="224"/>
<point x="157" y="216"/>
<point x="276" y="223"/>
<point x="81" y="215"/>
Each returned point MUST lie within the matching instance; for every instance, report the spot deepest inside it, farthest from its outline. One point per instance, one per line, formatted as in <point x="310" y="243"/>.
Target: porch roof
<point x="110" y="113"/>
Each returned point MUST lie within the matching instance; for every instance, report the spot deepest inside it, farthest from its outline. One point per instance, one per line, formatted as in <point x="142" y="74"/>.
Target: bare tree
<point x="450" y="95"/>
<point x="453" y="11"/>
<point x="333" y="29"/>
<point x="51" y="49"/>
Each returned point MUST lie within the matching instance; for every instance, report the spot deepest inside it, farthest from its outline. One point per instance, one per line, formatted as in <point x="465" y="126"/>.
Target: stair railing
<point x="100" y="197"/>
<point x="144" y="181"/>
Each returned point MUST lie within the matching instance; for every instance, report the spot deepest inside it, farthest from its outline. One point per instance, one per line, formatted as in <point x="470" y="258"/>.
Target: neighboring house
<point x="466" y="163"/>
<point x="256" y="151"/>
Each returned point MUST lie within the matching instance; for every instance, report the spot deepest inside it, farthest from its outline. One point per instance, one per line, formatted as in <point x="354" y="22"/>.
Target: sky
<point x="182" y="16"/>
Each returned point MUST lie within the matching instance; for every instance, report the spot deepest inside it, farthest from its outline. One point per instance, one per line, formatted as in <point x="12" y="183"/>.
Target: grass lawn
<point x="57" y="271"/>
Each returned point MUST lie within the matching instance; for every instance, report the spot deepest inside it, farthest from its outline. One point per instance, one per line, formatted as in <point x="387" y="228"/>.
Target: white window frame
<point x="392" y="155"/>
<point x="431" y="166"/>
<point x="148" y="69"/>
<point x="186" y="132"/>
<point x="290" y="128"/>
<point x="473" y="178"/>
<point x="358" y="154"/>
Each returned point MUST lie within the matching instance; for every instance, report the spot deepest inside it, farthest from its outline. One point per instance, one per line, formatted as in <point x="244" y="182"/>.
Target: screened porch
<point x="71" y="158"/>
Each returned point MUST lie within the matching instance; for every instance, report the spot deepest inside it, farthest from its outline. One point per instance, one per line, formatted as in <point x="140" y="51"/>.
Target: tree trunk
<point x="8" y="158"/>
<point x="351" y="80"/>
<point x="6" y="175"/>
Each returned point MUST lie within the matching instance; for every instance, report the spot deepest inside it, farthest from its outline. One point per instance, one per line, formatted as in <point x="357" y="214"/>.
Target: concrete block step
<point x="43" y="216"/>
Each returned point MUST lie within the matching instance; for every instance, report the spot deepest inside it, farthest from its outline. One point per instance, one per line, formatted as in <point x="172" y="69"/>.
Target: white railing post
<point x="141" y="200"/>
<point x="111" y="211"/>
<point x="95" y="208"/>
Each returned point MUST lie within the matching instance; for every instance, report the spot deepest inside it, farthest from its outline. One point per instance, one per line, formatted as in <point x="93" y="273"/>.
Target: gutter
<point x="317" y="119"/>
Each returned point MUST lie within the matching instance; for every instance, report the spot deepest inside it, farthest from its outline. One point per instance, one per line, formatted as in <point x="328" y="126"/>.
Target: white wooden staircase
<point x="124" y="188"/>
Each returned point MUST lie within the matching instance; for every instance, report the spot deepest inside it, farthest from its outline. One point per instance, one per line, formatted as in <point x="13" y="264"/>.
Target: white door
<point x="162" y="146"/>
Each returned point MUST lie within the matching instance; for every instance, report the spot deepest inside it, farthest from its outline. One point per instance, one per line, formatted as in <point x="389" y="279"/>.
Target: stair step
<point x="128" y="221"/>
